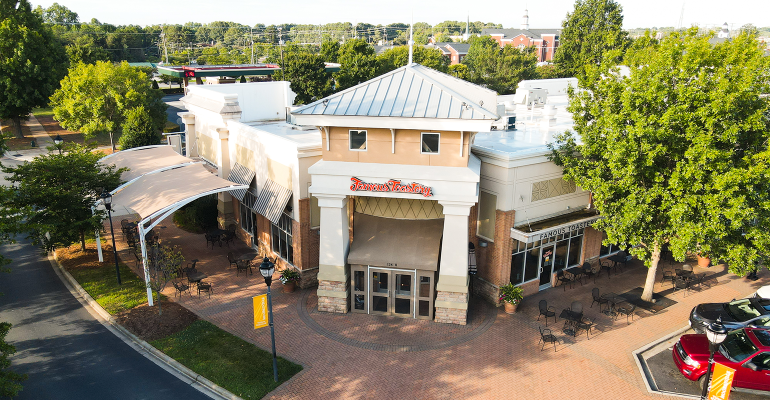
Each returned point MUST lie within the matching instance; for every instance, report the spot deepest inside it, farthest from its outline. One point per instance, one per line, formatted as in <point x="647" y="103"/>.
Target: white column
<point x="226" y="214"/>
<point x="333" y="252"/>
<point x="452" y="286"/>
<point x="189" y="134"/>
<point x="143" y="244"/>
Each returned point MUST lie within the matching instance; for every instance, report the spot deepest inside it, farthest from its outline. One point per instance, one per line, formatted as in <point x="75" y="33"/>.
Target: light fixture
<point x="267" y="268"/>
<point x="716" y="333"/>
<point x="58" y="142"/>
<point x="107" y="200"/>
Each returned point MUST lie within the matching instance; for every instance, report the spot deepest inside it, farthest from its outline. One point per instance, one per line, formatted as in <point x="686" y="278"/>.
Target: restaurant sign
<point x="392" y="185"/>
<point x="531" y="237"/>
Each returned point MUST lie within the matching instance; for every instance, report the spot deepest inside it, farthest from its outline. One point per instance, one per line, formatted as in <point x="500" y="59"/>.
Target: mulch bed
<point x="73" y="257"/>
<point x="12" y="141"/>
<point x="144" y="321"/>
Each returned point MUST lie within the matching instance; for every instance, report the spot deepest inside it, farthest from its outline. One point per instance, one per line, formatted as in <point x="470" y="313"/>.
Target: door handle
<point x="541" y="270"/>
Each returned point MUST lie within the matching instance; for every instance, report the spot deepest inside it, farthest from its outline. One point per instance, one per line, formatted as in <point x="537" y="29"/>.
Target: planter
<point x="704" y="262"/>
<point x="510" y="308"/>
<point x="289" y="287"/>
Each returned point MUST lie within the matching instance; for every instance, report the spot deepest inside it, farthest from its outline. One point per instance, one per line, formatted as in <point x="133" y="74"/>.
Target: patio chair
<point x="231" y="228"/>
<point x="546" y="311"/>
<point x="227" y="238"/>
<point x="210" y="239"/>
<point x="680" y="283"/>
<point x="232" y="260"/>
<point x="585" y="324"/>
<point x="686" y="267"/>
<point x="242" y="265"/>
<point x="564" y="279"/>
<point x="205" y="287"/>
<point x="181" y="287"/>
<point x="607" y="265"/>
<point x="669" y="276"/>
<point x="576" y="306"/>
<point x="598" y="299"/>
<point x="626" y="309"/>
<point x="547" y="337"/>
<point x="589" y="271"/>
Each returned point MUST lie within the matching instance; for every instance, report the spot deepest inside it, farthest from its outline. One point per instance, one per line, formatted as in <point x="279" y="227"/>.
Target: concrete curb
<point x="641" y="363"/>
<point x="187" y="375"/>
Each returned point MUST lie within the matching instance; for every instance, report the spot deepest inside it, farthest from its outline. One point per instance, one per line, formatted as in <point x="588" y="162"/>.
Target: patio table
<point x="612" y="300"/>
<point x="617" y="259"/>
<point x="196" y="277"/>
<point x="572" y="318"/>
<point x="248" y="256"/>
<point x="577" y="273"/>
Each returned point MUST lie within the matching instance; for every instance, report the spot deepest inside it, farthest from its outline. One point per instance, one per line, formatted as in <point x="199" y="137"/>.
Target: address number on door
<point x="391" y="264"/>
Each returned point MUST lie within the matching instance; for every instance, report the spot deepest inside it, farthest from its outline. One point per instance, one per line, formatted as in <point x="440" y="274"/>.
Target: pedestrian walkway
<point x="38" y="133"/>
<point x="497" y="356"/>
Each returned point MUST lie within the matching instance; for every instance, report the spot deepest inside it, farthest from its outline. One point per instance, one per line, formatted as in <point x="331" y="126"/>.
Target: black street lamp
<point x="267" y="268"/>
<point x="716" y="334"/>
<point x="107" y="199"/>
<point x="58" y="142"/>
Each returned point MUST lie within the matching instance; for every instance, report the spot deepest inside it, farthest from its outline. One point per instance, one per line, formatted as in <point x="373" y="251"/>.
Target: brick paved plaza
<point x="355" y="356"/>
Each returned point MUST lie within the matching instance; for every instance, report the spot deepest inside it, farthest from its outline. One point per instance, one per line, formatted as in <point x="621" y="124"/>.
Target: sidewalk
<point x="38" y="133"/>
<point x="357" y="356"/>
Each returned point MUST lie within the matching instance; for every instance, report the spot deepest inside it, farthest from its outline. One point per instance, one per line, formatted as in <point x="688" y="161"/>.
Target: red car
<point x="746" y="350"/>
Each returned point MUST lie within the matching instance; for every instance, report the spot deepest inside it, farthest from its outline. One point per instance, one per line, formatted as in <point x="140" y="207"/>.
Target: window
<point x="281" y="238"/>
<point x="609" y="248"/>
<point x="248" y="223"/>
<point x="429" y="143"/>
<point x="315" y="211"/>
<point x="358" y="140"/>
<point x="486" y="219"/>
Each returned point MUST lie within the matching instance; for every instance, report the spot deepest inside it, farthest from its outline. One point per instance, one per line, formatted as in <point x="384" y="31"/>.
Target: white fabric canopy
<point x="142" y="160"/>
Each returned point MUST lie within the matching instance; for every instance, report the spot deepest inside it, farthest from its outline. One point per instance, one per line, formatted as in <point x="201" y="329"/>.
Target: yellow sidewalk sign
<point x="260" y="311"/>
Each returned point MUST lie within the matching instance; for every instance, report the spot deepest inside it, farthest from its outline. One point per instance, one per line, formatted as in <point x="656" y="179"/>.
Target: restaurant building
<point x="376" y="193"/>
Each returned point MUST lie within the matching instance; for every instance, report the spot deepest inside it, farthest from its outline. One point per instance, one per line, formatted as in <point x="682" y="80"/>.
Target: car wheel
<point x="702" y="382"/>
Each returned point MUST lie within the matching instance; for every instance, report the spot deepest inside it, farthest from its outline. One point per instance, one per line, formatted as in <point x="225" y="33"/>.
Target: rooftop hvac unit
<point x="510" y="123"/>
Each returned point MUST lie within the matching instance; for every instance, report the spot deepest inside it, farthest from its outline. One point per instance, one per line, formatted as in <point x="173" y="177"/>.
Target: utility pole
<point x="163" y="38"/>
<point x="251" y="31"/>
<point x="280" y="43"/>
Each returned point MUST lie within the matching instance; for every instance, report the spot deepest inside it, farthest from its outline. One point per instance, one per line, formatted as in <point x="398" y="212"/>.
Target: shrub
<point x="199" y="215"/>
<point x="138" y="130"/>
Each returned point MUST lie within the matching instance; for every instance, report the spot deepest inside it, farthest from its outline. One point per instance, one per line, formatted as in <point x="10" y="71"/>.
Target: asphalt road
<point x="174" y="108"/>
<point x="66" y="353"/>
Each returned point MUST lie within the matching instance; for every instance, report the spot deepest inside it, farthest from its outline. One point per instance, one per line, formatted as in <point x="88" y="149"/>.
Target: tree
<point x="499" y="69"/>
<point x="53" y="195"/>
<point x="399" y="56"/>
<point x="358" y="63"/>
<point x="10" y="382"/>
<point x="86" y="50"/>
<point x="592" y="28"/>
<point x="32" y="62"/>
<point x="306" y="72"/>
<point x="164" y="264"/>
<point x="138" y="130"/>
<point x="58" y="14"/>
<point x="330" y="50"/>
<point x="459" y="71"/>
<point x="677" y="152"/>
<point x="547" y="71"/>
<point x="94" y="98"/>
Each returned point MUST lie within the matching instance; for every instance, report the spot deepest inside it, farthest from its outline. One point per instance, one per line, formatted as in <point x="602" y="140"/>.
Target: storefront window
<point x="429" y="143"/>
<point x="486" y="219"/>
<point x="248" y="223"/>
<point x="281" y="238"/>
<point x="608" y="249"/>
<point x="527" y="258"/>
<point x="575" y="250"/>
<point x="358" y="140"/>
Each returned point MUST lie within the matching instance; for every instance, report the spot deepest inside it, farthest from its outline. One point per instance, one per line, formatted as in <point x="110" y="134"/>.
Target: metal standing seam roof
<point x="144" y="160"/>
<point x="412" y="91"/>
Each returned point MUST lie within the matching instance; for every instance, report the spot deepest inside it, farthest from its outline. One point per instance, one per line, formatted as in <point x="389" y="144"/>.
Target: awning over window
<point x="160" y="191"/>
<point x="554" y="227"/>
<point x="242" y="176"/>
<point x="272" y="201"/>
<point x="396" y="243"/>
<point x="143" y="160"/>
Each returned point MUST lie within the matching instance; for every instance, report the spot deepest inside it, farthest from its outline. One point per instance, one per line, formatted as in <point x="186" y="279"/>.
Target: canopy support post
<point x="144" y="262"/>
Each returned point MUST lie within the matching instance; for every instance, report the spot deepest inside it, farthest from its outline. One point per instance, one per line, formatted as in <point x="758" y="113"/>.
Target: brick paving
<point x="373" y="357"/>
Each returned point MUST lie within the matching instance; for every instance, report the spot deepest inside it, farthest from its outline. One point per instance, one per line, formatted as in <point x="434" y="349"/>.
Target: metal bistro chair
<point x="585" y="324"/>
<point x="589" y="271"/>
<point x="242" y="266"/>
<point x="232" y="260"/>
<point x="564" y="279"/>
<point x="210" y="239"/>
<point x="227" y="238"/>
<point x="669" y="276"/>
<point x="181" y="287"/>
<point x="681" y="282"/>
<point x="547" y="337"/>
<point x="627" y="310"/>
<point x="546" y="311"/>
<point x="205" y="287"/>
<point x="576" y="307"/>
<point x="598" y="299"/>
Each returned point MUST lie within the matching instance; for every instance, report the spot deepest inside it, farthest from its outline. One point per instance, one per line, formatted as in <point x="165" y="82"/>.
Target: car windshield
<point x="742" y="310"/>
<point x="737" y="346"/>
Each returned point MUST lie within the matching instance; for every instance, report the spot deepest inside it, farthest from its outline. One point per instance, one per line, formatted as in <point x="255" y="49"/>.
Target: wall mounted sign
<point x="531" y="237"/>
<point x="392" y="185"/>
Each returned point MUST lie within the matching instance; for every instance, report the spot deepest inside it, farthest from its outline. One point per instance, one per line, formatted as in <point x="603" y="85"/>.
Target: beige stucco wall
<point x="207" y="147"/>
<point x="379" y="148"/>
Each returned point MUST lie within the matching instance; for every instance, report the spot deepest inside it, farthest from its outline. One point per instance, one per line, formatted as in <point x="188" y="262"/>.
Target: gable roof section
<point x="460" y="48"/>
<point x="511" y="33"/>
<point x="412" y="91"/>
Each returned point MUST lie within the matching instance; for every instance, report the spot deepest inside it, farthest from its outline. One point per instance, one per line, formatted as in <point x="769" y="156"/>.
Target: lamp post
<point x="58" y="142"/>
<point x="107" y="199"/>
<point x="267" y="268"/>
<point x="716" y="334"/>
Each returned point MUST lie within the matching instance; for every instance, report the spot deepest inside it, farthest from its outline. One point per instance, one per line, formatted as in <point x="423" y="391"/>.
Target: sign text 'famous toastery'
<point x="392" y="185"/>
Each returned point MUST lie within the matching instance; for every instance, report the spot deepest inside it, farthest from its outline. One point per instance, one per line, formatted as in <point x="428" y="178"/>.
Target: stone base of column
<point x="333" y="296"/>
<point x="225" y="212"/>
<point x="309" y="278"/>
<point x="451" y="308"/>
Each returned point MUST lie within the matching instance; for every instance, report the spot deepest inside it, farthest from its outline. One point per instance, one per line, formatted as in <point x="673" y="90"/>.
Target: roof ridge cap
<point x="454" y="93"/>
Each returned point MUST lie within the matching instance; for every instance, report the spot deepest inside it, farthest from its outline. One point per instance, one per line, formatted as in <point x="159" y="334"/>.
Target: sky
<point x="542" y="14"/>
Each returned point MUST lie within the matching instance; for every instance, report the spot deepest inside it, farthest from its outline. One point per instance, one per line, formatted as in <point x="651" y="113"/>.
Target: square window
<point x="358" y="140"/>
<point x="429" y="143"/>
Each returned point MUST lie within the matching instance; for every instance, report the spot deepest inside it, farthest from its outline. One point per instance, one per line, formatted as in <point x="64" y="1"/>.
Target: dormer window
<point x="429" y="143"/>
<point x="358" y="140"/>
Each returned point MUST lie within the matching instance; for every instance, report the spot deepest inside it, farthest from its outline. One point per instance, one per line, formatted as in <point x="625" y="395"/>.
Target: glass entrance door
<point x="546" y="266"/>
<point x="392" y="292"/>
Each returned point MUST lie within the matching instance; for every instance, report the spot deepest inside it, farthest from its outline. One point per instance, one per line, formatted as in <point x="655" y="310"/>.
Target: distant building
<point x="724" y="33"/>
<point x="545" y="41"/>
<point x="457" y="52"/>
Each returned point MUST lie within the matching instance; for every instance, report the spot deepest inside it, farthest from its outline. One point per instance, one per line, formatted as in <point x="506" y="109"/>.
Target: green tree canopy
<point x="86" y="50"/>
<point x="330" y="50"/>
<point x="54" y="194"/>
<point x="94" y="98"/>
<point x="357" y="64"/>
<point x="307" y="73"/>
<point x="677" y="152"/>
<point x="32" y="62"/>
<point x="398" y="57"/>
<point x="591" y="29"/>
<point x="499" y="69"/>
<point x="138" y="130"/>
<point x="58" y="14"/>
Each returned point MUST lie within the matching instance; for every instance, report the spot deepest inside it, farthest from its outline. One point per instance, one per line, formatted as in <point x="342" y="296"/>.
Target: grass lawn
<point x="102" y="284"/>
<point x="227" y="360"/>
<point x="52" y="127"/>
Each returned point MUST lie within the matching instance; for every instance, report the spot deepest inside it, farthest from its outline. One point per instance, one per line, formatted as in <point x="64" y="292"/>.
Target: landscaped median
<point x="225" y="359"/>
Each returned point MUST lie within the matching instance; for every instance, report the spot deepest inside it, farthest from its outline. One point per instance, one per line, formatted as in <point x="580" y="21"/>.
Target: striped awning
<point x="240" y="175"/>
<point x="272" y="200"/>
